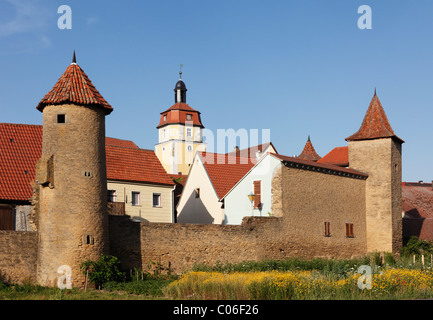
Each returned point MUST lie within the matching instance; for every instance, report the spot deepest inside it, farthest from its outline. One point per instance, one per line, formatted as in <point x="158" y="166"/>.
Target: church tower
<point x="376" y="150"/>
<point x="71" y="183"/>
<point x="179" y="133"/>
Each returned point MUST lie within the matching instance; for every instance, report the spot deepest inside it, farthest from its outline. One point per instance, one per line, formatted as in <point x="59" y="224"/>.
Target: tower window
<point x="188" y="117"/>
<point x="61" y="118"/>
<point x="165" y="117"/>
<point x="189" y="132"/>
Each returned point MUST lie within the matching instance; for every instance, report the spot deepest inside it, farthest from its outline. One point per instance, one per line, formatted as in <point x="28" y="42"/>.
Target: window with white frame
<point x="135" y="198"/>
<point x="189" y="132"/>
<point x="111" y="195"/>
<point x="156" y="200"/>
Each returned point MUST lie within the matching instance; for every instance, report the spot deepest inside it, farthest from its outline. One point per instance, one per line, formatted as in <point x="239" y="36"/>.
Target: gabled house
<point x="254" y="152"/>
<point x="135" y="178"/>
<point x="211" y="176"/>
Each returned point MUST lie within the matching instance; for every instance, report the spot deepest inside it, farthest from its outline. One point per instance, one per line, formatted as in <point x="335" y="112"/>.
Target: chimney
<point x="237" y="151"/>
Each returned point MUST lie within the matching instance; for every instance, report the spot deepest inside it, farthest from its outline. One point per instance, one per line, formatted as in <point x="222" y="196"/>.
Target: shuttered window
<point x="7" y="218"/>
<point x="349" y="230"/>
<point x="327" y="229"/>
<point x="258" y="193"/>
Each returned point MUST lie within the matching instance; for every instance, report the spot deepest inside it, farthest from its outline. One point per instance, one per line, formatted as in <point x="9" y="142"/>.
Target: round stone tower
<point x="71" y="192"/>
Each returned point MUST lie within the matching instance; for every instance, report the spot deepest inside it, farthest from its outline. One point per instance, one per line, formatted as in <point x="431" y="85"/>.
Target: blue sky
<point x="296" y="67"/>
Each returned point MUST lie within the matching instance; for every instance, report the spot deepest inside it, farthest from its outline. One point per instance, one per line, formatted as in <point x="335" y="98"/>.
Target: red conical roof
<point x="76" y="88"/>
<point x="309" y="153"/>
<point x="375" y="124"/>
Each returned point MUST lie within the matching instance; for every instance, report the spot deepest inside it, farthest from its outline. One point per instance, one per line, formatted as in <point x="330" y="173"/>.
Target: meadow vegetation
<point x="293" y="278"/>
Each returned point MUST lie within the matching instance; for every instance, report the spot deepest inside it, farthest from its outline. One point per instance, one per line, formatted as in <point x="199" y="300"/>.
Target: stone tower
<point x="71" y="183"/>
<point x="376" y="150"/>
<point x="179" y="134"/>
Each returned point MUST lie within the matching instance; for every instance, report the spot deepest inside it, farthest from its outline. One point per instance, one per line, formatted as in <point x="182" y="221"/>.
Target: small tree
<point x="106" y="269"/>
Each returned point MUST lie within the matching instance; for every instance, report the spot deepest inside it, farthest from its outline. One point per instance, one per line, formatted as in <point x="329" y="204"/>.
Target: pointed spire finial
<point x="180" y="71"/>
<point x="74" y="59"/>
<point x="374" y="91"/>
<point x="308" y="138"/>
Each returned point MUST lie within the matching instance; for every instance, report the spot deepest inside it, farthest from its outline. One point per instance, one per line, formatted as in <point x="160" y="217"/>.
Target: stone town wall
<point x="305" y="199"/>
<point x="18" y="254"/>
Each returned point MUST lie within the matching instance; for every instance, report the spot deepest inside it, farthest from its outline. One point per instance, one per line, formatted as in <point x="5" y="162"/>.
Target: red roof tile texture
<point x="375" y="124"/>
<point x="74" y="87"/>
<point x="224" y="170"/>
<point x="21" y="148"/>
<point x="309" y="153"/>
<point x="417" y="205"/>
<point x="338" y="156"/>
<point x="135" y="165"/>
<point x="179" y="113"/>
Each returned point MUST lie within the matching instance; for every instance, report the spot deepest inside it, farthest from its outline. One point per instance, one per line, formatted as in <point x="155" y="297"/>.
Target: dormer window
<point x="165" y="118"/>
<point x="188" y="117"/>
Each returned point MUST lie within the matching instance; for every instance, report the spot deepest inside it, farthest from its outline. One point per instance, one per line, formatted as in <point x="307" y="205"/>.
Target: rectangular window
<point x="111" y="195"/>
<point x="61" y="118"/>
<point x="135" y="198"/>
<point x="258" y="194"/>
<point x="156" y="200"/>
<point x="327" y="229"/>
<point x="349" y="230"/>
<point x="189" y="132"/>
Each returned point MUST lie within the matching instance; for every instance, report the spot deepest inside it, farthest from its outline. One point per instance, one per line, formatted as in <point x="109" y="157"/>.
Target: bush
<point x="106" y="269"/>
<point x="416" y="247"/>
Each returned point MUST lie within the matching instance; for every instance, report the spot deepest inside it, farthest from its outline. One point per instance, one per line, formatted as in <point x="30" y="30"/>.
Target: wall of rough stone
<point x="305" y="199"/>
<point x="18" y="253"/>
<point x="381" y="160"/>
<point x="72" y="196"/>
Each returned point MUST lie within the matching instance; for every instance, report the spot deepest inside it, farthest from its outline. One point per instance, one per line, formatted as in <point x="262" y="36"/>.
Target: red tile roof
<point x="338" y="156"/>
<point x="21" y="148"/>
<point x="76" y="88"/>
<point x="120" y="143"/>
<point x="417" y="205"/>
<point x="251" y="151"/>
<point x="313" y="164"/>
<point x="177" y="114"/>
<point x="309" y="153"/>
<point x="224" y="170"/>
<point x="375" y="124"/>
<point x="135" y="165"/>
